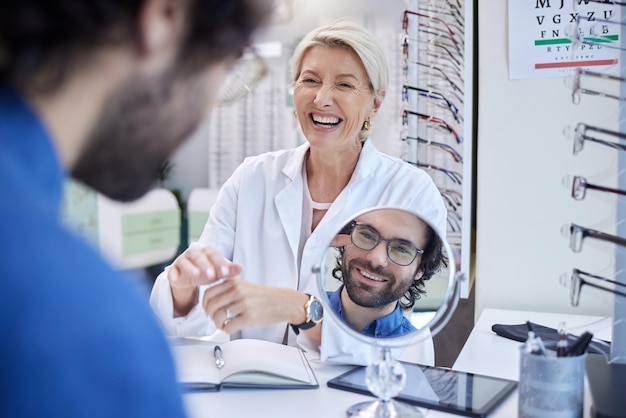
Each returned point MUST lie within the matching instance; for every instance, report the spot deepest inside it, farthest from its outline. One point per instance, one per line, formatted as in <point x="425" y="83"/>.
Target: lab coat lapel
<point x="363" y="174"/>
<point x="288" y="201"/>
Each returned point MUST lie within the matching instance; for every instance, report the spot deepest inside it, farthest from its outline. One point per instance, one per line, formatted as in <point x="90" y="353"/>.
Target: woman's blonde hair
<point x="347" y="34"/>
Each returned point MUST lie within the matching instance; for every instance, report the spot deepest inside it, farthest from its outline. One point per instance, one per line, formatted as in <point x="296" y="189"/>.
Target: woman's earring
<point x="367" y="125"/>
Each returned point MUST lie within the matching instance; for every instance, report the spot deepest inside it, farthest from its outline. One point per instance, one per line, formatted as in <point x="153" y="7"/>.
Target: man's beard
<point x="372" y="296"/>
<point x="141" y="125"/>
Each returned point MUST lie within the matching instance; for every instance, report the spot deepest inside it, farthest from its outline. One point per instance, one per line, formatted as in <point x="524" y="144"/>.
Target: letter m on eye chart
<point x="550" y="38"/>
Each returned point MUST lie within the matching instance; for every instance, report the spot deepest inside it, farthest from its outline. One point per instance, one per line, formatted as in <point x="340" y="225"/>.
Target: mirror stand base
<point x="386" y="409"/>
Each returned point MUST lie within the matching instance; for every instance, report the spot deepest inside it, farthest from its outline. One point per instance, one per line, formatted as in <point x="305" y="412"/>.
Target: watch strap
<point x="308" y="323"/>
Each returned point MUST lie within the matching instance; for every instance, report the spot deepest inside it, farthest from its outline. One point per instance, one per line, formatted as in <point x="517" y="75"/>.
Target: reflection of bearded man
<point x="367" y="296"/>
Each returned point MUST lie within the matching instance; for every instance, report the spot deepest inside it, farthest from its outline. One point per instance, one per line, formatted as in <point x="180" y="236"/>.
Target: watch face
<point x="316" y="311"/>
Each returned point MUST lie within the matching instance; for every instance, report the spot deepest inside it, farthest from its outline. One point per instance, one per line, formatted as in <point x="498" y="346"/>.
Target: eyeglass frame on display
<point x="456" y="156"/>
<point x="603" y="40"/>
<point x="441" y="74"/>
<point x="435" y="95"/>
<point x="579" y="233"/>
<point x="454" y="13"/>
<point x="452" y="175"/>
<point x="580" y="186"/>
<point x="580" y="135"/>
<point x="448" y="30"/>
<point x="576" y="283"/>
<point x="404" y="43"/>
<point x="613" y="2"/>
<point x="577" y="90"/>
<point x="435" y="121"/>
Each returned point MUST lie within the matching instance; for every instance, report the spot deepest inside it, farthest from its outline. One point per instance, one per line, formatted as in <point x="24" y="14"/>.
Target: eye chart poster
<point x="550" y="38"/>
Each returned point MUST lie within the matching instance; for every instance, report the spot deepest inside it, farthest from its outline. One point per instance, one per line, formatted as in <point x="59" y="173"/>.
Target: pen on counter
<point x="581" y="344"/>
<point x="219" y="360"/>
<point x="561" y="345"/>
<point x="534" y="344"/>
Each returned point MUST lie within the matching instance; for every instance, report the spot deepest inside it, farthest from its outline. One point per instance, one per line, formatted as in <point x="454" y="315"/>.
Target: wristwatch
<point x="314" y="312"/>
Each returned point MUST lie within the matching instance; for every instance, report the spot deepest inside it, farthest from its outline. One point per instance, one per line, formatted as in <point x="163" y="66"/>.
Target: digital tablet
<point x="438" y="388"/>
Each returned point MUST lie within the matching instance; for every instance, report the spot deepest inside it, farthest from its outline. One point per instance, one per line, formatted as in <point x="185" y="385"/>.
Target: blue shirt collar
<point x="391" y="325"/>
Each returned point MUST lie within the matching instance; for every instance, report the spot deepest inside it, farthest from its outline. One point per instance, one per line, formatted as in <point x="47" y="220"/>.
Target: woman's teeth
<point x="326" y="120"/>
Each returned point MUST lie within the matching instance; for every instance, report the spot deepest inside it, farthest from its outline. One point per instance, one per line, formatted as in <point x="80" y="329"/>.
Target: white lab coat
<point x="256" y="221"/>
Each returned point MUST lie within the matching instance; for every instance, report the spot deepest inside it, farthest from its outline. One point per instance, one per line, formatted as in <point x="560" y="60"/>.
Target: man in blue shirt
<point x="105" y="90"/>
<point x="385" y="256"/>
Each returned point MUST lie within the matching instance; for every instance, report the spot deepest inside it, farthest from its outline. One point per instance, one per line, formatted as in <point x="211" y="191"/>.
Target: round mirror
<point x="388" y="279"/>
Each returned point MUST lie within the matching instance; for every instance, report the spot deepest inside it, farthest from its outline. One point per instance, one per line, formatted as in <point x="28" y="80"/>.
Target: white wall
<point x="190" y="169"/>
<point x="521" y="203"/>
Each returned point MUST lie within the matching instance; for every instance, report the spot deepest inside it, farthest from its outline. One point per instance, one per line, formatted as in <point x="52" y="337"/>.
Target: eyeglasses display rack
<point x="606" y="376"/>
<point x="437" y="109"/>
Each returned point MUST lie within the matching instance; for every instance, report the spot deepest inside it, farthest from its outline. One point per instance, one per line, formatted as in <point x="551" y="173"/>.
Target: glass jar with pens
<point x="552" y="376"/>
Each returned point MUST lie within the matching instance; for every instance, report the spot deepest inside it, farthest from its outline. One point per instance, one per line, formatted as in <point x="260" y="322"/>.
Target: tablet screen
<point x="438" y="388"/>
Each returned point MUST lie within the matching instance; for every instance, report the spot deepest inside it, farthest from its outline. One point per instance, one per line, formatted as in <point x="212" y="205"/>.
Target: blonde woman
<point x="274" y="216"/>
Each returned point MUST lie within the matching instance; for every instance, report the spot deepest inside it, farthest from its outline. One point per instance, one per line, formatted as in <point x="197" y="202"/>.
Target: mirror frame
<point x="442" y="315"/>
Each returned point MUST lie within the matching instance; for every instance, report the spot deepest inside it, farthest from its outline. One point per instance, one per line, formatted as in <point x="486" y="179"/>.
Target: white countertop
<point x="484" y="353"/>
<point x="489" y="354"/>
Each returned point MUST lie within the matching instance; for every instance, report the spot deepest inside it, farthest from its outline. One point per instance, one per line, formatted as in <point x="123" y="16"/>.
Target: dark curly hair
<point x="432" y="261"/>
<point x="42" y="42"/>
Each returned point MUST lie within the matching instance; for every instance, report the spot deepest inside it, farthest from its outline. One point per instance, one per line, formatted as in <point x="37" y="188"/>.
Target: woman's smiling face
<point x="333" y="97"/>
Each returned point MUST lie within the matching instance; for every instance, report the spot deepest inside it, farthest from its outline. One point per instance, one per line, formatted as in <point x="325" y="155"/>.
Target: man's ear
<point x="160" y="28"/>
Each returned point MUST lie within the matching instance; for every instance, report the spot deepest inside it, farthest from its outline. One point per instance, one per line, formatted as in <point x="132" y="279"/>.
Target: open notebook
<point x="248" y="363"/>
